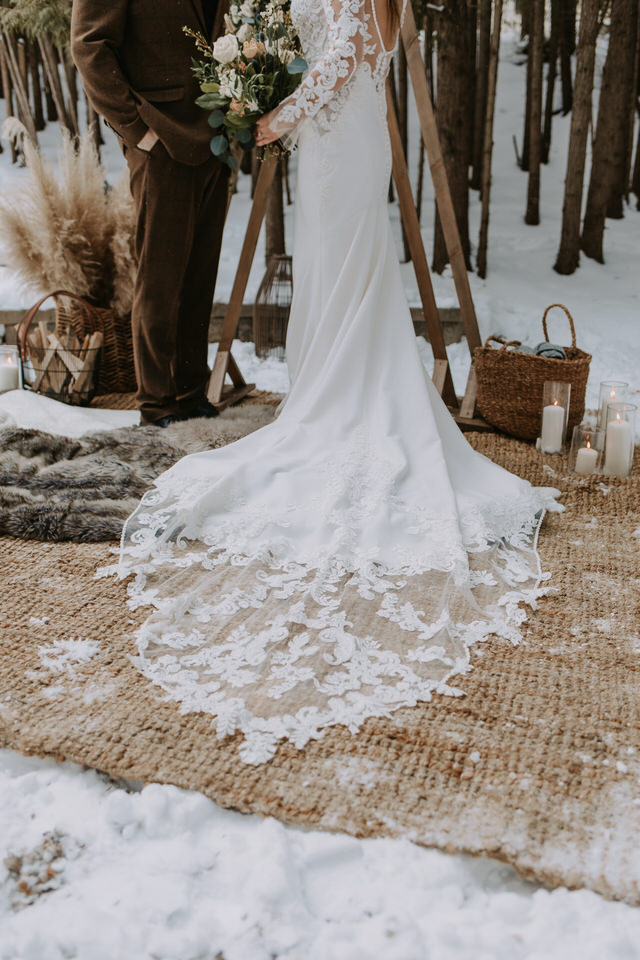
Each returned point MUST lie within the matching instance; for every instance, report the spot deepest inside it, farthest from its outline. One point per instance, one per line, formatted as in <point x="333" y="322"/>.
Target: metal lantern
<point x="272" y="308"/>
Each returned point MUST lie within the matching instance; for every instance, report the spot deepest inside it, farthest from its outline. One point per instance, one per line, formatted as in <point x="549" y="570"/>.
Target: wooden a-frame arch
<point x="462" y="409"/>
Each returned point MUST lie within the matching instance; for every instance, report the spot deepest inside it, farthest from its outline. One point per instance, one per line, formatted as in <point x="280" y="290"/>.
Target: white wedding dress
<point x="339" y="563"/>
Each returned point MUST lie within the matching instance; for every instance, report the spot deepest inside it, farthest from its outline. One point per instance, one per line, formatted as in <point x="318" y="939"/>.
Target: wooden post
<point x="225" y="363"/>
<point x="439" y="175"/>
<point x="466" y="416"/>
<point x="442" y="372"/>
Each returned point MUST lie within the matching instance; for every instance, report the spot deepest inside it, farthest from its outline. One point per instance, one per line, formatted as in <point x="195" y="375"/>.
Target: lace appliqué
<point x="280" y="646"/>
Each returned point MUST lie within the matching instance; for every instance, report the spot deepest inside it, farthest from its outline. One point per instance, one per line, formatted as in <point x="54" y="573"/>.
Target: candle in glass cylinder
<point x="611" y="391"/>
<point x="553" y="426"/>
<point x="586" y="459"/>
<point x="8" y="369"/>
<point x="619" y="447"/>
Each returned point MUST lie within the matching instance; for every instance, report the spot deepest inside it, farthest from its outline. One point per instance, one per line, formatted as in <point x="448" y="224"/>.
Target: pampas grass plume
<point x="62" y="228"/>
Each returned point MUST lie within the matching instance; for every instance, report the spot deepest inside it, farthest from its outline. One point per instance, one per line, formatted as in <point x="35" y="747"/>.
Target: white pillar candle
<point x="8" y="374"/>
<point x="612" y="398"/>
<point x="586" y="459"/>
<point x="552" y="436"/>
<point x="618" y="449"/>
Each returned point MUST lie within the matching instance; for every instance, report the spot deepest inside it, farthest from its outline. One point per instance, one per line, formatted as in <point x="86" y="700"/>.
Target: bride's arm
<point x="344" y="51"/>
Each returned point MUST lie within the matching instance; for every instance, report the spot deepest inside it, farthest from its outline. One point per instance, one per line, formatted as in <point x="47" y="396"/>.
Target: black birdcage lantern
<point x="272" y="308"/>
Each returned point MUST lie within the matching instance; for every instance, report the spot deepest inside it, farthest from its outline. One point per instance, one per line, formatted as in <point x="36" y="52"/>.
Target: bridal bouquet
<point x="247" y="72"/>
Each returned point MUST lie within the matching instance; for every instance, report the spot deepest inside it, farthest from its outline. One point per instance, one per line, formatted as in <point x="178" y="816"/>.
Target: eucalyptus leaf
<point x="297" y="66"/>
<point x="216" y="119"/>
<point x="219" y="145"/>
<point x="211" y="101"/>
<point x="244" y="136"/>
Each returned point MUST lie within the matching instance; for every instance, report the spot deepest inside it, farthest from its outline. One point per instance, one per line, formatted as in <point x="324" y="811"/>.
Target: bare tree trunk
<point x="52" y="74"/>
<point x="482" y="76"/>
<point x="607" y="183"/>
<point x="33" y="57"/>
<point x="526" y="132"/>
<point x="569" y="252"/>
<point x="551" y="80"/>
<point x="8" y="95"/>
<point x="17" y="68"/>
<point x="567" y="43"/>
<point x="635" y="103"/>
<point x="275" y="239"/>
<point x="452" y="114"/>
<point x="492" y="83"/>
<point x="536" y="42"/>
<point x="472" y="16"/>
<point x="635" y="176"/>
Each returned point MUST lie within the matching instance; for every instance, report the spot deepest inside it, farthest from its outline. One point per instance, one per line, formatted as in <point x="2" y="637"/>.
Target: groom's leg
<point x="191" y="368"/>
<point x="166" y="196"/>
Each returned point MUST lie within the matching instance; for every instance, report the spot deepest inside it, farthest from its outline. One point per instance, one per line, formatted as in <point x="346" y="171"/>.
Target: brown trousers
<point x="181" y="213"/>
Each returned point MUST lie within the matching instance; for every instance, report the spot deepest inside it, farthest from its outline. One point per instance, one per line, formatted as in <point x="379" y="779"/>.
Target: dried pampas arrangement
<point x="65" y="228"/>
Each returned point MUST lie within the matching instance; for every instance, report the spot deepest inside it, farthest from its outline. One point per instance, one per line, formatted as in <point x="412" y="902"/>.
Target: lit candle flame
<point x="588" y="445"/>
<point x="618" y="417"/>
<point x="555" y="401"/>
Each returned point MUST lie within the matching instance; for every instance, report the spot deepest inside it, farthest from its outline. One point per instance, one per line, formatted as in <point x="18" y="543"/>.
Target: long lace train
<point x="341" y="562"/>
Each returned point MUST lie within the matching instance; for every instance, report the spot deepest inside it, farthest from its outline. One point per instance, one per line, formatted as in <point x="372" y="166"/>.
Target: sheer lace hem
<point x="279" y="650"/>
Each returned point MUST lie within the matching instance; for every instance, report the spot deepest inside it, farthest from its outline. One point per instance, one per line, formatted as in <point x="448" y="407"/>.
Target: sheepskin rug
<point x="82" y="490"/>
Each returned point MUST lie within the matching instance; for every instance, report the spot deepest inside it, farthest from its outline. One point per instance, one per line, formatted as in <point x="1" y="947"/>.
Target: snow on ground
<point x="165" y="874"/>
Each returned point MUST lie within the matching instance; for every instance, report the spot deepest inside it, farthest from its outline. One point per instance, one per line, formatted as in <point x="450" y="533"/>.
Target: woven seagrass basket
<point x="510" y="384"/>
<point x="116" y="373"/>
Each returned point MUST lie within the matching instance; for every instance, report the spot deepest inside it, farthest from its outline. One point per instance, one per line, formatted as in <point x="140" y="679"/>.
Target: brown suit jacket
<point x="135" y="63"/>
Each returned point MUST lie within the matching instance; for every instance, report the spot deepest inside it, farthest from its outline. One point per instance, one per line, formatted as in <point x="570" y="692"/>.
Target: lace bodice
<point x="339" y="38"/>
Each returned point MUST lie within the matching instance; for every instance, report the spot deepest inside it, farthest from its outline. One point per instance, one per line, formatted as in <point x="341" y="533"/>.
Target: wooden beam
<point x="224" y="362"/>
<point x="442" y="372"/>
<point x="444" y="201"/>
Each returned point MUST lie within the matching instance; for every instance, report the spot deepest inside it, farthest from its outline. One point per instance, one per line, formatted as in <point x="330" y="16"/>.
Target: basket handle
<point x="503" y="343"/>
<point x="569" y="318"/>
<point x="27" y="320"/>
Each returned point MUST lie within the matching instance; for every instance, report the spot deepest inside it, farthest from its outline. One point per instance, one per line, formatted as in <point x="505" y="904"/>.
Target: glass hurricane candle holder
<point x="611" y="391"/>
<point x="555" y="416"/>
<point x="620" y="439"/>
<point x="9" y="376"/>
<point x="587" y="450"/>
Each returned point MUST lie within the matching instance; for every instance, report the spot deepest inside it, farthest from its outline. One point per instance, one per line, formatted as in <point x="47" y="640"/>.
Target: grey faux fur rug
<point x="55" y="489"/>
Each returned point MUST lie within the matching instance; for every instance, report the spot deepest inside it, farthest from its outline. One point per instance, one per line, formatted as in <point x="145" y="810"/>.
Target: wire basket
<point x="55" y="361"/>
<point x="272" y="308"/>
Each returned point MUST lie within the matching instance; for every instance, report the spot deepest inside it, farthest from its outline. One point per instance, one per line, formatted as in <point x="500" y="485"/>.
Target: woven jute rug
<point x="538" y="764"/>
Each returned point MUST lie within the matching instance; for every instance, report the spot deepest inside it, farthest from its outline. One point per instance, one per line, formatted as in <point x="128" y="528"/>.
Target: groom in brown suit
<point x="135" y="62"/>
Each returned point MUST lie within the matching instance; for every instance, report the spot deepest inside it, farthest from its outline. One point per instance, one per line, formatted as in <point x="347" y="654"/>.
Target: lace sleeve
<point x="343" y="52"/>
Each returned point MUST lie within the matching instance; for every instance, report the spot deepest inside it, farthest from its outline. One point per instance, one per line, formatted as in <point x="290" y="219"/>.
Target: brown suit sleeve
<point x="97" y="30"/>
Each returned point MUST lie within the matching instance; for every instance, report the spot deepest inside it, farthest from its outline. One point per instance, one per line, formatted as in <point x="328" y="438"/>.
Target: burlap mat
<point x="539" y="764"/>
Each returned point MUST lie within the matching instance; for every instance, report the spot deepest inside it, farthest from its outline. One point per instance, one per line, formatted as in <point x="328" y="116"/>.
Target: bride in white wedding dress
<point x="339" y="563"/>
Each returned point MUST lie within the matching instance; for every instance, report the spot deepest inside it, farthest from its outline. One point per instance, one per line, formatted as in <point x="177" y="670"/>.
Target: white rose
<point x="244" y="33"/>
<point x="226" y="49"/>
<point x="246" y="9"/>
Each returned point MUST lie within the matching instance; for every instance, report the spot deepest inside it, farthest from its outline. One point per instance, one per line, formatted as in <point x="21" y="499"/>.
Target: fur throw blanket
<point x="54" y="489"/>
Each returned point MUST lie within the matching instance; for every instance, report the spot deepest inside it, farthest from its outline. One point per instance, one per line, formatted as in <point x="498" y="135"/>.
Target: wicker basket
<point x="58" y="362"/>
<point x="116" y="374"/>
<point x="510" y="384"/>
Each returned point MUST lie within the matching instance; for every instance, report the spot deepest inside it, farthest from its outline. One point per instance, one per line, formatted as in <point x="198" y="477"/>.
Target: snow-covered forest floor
<point x="163" y="874"/>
